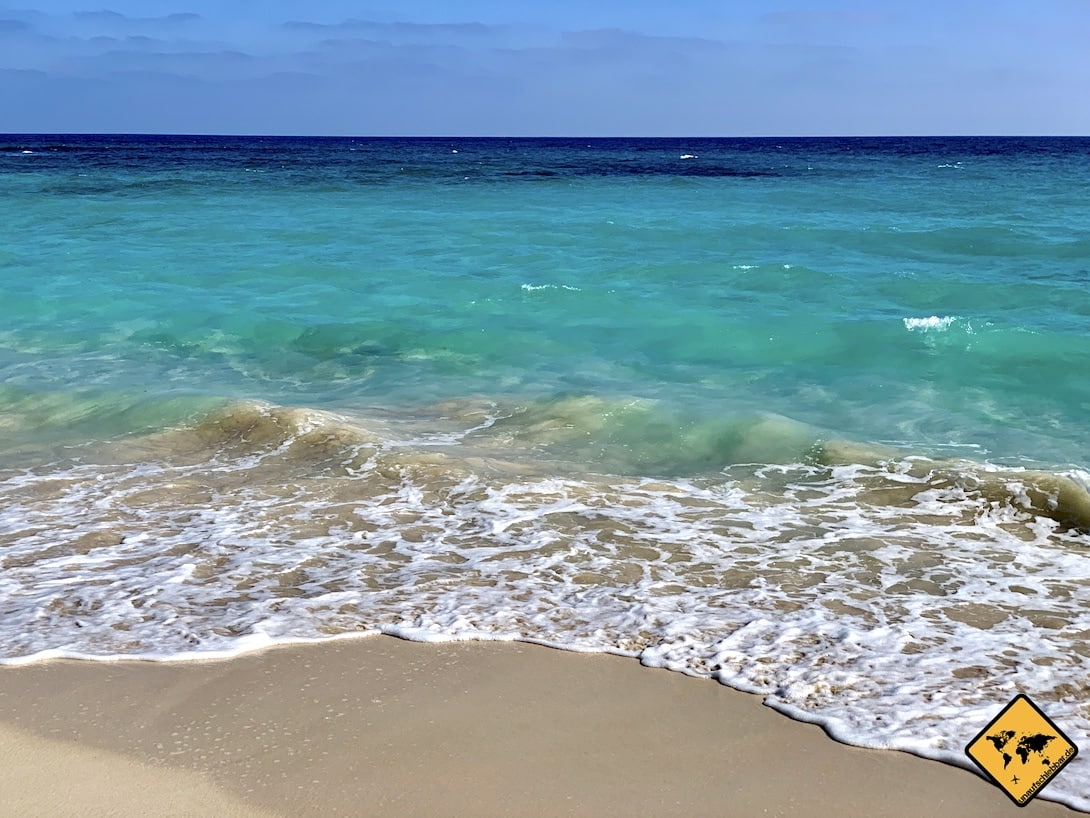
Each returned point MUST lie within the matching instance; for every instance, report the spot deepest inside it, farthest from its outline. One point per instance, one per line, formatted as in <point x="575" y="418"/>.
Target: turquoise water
<point x="339" y="273"/>
<point x="807" y="416"/>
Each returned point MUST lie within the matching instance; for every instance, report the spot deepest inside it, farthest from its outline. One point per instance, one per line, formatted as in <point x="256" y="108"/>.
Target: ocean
<point x="805" y="416"/>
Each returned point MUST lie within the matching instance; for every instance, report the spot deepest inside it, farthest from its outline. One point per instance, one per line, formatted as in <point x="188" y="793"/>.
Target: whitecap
<point x="535" y="287"/>
<point x="931" y="322"/>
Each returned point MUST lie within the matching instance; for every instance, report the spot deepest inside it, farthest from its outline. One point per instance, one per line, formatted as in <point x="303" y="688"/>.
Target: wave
<point x="1060" y="497"/>
<point x="930" y="323"/>
<point x="840" y="579"/>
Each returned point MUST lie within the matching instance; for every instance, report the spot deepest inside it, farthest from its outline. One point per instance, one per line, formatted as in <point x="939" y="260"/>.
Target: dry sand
<point x="385" y="727"/>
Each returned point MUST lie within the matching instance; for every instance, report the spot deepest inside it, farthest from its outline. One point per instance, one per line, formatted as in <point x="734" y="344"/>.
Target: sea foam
<point x="929" y="323"/>
<point x="897" y="602"/>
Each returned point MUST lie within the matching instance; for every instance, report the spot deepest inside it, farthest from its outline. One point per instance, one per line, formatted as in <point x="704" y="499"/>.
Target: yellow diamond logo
<point x="1021" y="750"/>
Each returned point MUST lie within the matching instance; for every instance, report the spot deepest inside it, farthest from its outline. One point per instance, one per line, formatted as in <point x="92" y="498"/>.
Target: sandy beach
<point x="386" y="727"/>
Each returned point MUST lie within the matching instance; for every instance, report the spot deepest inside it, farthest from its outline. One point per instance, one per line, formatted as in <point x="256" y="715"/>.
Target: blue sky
<point x="555" y="67"/>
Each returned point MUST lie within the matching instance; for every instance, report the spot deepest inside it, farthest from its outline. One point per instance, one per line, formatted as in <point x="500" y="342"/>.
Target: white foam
<point x="931" y="322"/>
<point x="688" y="156"/>
<point x="902" y="625"/>
<point x="535" y="287"/>
<point x="1081" y="477"/>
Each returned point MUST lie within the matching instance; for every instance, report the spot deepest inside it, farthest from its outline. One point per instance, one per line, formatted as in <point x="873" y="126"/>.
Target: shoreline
<point x="382" y="726"/>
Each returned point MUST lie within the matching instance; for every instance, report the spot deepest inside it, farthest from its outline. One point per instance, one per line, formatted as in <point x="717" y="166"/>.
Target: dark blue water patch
<point x="682" y="168"/>
<point x="370" y="160"/>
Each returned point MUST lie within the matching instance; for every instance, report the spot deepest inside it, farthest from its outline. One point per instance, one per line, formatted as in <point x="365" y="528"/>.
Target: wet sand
<point x="384" y="727"/>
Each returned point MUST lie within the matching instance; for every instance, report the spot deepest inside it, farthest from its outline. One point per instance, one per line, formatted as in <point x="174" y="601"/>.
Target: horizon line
<point x="254" y="135"/>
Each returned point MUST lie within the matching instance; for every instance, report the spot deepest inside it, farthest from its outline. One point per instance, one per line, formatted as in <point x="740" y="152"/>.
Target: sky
<point x="546" y="68"/>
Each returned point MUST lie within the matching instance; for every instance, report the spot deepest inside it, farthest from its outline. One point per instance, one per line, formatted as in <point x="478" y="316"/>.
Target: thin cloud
<point x="117" y="18"/>
<point x="99" y="16"/>
<point x="399" y="29"/>
<point x="615" y="39"/>
<point x="14" y="26"/>
<point x="862" y="18"/>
